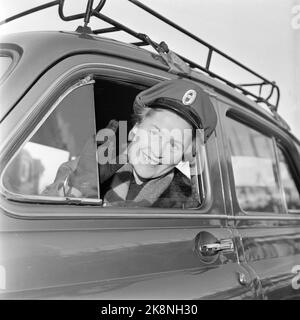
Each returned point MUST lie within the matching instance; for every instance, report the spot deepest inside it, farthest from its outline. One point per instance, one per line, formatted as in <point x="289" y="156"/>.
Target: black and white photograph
<point x="149" y="151"/>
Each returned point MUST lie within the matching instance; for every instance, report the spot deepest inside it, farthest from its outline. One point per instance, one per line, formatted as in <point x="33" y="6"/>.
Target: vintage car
<point x="57" y="90"/>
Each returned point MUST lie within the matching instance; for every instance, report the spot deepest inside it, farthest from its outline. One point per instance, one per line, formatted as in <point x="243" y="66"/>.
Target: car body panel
<point x="84" y="252"/>
<point x="131" y="262"/>
<point x="273" y="252"/>
<point x="63" y="45"/>
<point x="58" y="251"/>
<point x="271" y="242"/>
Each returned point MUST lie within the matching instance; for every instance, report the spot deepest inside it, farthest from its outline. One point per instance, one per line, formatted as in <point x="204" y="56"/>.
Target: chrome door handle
<point x="210" y="249"/>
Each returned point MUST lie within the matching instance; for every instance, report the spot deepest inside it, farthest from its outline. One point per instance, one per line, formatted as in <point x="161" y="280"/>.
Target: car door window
<point x="54" y="148"/>
<point x="64" y="157"/>
<point x="254" y="168"/>
<point x="180" y="188"/>
<point x="291" y="192"/>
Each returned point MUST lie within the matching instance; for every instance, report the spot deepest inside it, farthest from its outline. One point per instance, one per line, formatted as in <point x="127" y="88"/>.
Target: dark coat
<point x="174" y="190"/>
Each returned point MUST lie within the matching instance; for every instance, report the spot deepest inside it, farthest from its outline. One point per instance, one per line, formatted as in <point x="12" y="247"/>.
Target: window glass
<point x="55" y="148"/>
<point x="254" y="168"/>
<point x="292" y="196"/>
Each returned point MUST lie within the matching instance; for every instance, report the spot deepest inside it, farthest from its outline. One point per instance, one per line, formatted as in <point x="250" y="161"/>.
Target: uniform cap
<point x="183" y="97"/>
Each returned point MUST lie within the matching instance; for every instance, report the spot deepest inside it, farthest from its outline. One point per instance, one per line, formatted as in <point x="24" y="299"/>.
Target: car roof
<point x="34" y="50"/>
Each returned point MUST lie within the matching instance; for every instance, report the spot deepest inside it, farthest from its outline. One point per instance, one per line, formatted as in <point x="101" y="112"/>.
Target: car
<point x="57" y="90"/>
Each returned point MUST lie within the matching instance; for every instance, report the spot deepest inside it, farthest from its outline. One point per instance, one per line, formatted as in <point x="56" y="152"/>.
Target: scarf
<point x="147" y="196"/>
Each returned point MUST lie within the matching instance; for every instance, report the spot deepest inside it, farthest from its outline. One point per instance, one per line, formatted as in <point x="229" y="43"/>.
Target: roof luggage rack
<point x="168" y="56"/>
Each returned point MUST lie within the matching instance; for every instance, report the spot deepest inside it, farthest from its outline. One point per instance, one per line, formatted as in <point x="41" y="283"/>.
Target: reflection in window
<point x="292" y="196"/>
<point x="59" y="140"/>
<point x="254" y="168"/>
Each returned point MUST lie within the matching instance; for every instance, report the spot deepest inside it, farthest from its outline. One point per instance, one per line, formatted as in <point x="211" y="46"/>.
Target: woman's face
<point x="159" y="143"/>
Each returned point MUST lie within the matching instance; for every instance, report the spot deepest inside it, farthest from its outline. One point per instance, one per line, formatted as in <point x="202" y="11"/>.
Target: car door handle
<point x="210" y="249"/>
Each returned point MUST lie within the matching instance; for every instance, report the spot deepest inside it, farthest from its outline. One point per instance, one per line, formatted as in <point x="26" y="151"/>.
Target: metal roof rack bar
<point x="252" y="84"/>
<point x="191" y="35"/>
<point x="140" y="44"/>
<point x="35" y="9"/>
<point x="146" y="41"/>
<point x="211" y="49"/>
<point x="106" y="30"/>
<point x="116" y="24"/>
<point x="229" y="83"/>
<point x="86" y="15"/>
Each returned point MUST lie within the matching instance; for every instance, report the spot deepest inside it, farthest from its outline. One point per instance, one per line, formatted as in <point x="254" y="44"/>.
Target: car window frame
<point x="280" y="191"/>
<point x="29" y="198"/>
<point x="256" y="122"/>
<point x="279" y="146"/>
<point x="147" y="77"/>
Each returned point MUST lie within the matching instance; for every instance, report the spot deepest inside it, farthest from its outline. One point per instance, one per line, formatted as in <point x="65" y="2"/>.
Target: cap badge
<point x="189" y="97"/>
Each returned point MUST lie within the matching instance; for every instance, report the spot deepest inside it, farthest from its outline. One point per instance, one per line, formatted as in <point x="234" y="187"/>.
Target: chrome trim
<point x="108" y="215"/>
<point x="126" y="213"/>
<point x="211" y="249"/>
<point x="278" y="172"/>
<point x="243" y="279"/>
<point x="52" y="200"/>
<point x="279" y="217"/>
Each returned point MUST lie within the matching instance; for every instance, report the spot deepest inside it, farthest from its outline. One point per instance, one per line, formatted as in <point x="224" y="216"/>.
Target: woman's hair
<point x="140" y="113"/>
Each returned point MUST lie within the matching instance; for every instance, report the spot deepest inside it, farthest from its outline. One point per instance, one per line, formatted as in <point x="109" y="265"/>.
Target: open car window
<point x="62" y="158"/>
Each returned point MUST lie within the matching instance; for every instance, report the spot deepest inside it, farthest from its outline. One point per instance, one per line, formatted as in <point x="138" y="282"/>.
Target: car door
<point x="264" y="174"/>
<point x="74" y="248"/>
